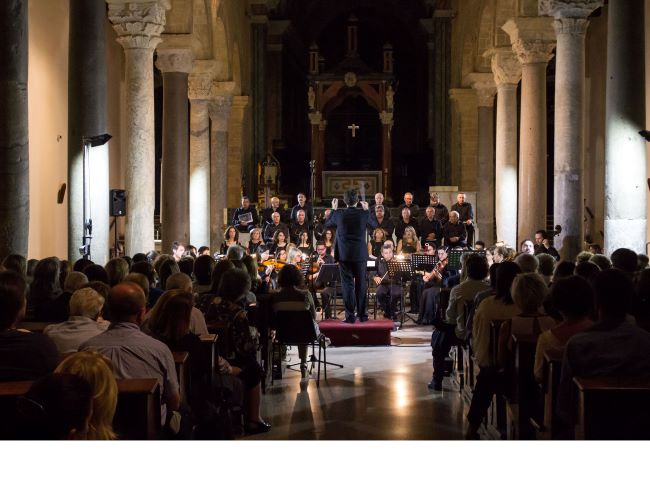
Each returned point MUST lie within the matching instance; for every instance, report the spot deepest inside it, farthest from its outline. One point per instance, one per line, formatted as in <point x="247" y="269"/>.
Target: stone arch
<point x="220" y="50"/>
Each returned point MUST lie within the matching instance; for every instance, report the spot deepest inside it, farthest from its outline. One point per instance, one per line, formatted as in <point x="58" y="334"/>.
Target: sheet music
<point x="246" y="218"/>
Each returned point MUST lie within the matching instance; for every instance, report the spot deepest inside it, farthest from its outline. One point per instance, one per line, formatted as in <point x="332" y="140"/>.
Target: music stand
<point x="400" y="271"/>
<point x="329" y="273"/>
<point x="424" y="262"/>
<point x="454" y="258"/>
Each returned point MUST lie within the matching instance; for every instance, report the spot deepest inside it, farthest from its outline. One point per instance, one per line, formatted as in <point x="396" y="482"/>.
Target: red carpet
<point x="371" y="333"/>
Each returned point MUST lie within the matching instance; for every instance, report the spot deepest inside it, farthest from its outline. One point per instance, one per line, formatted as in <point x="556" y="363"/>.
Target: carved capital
<point x="485" y="88"/>
<point x="506" y="68"/>
<point x="174" y="60"/>
<point x="465" y="99"/>
<point x="571" y="26"/>
<point x="138" y="24"/>
<point x="576" y="9"/>
<point x="219" y="110"/>
<point x="200" y="86"/>
<point x="532" y="38"/>
<point x="535" y="51"/>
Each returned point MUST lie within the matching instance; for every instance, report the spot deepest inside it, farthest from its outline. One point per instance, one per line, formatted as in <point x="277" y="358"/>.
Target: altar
<point x="335" y="183"/>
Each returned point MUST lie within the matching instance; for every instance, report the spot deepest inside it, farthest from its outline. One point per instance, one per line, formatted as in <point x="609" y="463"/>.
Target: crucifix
<point x="354" y="128"/>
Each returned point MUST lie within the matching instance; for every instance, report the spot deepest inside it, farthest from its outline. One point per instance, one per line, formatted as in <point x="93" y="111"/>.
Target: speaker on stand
<point x="117" y="205"/>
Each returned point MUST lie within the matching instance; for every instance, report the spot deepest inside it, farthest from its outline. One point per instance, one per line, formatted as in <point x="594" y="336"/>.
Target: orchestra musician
<point x="433" y="281"/>
<point x="388" y="292"/>
<point x="326" y="289"/>
<point x="417" y="283"/>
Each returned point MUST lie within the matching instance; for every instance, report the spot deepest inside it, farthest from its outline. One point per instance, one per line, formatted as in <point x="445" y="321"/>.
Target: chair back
<point x="294" y="327"/>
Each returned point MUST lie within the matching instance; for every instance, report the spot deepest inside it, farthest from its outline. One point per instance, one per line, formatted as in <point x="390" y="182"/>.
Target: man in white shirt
<point x="85" y="309"/>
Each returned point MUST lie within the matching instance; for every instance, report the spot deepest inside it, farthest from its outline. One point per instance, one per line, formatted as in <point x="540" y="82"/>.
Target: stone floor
<point x="380" y="394"/>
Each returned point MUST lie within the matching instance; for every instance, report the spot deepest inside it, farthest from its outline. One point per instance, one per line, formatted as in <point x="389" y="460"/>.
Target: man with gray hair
<point x="60" y="306"/>
<point x="235" y="253"/>
<point x="85" y="310"/>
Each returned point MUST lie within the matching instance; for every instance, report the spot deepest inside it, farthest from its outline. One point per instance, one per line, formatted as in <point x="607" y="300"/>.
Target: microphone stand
<point x="312" y="180"/>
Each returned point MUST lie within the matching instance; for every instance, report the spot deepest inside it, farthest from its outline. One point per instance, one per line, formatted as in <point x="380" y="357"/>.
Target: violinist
<point x="433" y="281"/>
<point x="388" y="293"/>
<point x="417" y="283"/>
<point x="325" y="288"/>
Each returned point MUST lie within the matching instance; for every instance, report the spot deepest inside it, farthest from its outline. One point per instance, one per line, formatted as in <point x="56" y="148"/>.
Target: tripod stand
<point x="401" y="271"/>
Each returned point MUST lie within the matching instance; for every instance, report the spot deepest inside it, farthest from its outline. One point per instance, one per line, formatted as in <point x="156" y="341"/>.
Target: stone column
<point x="483" y="84"/>
<point x="138" y="25"/>
<point x="507" y="73"/>
<point x="199" y="93"/>
<point x="317" y="142"/>
<point x="259" y="30"/>
<point x="570" y="27"/>
<point x="87" y="97"/>
<point x="466" y="106"/>
<point x="386" y="153"/>
<point x="442" y="30"/>
<point x="175" y="64"/>
<point x="275" y="56"/>
<point x="532" y="42"/>
<point x="220" y="108"/>
<point x="625" y="156"/>
<point x="14" y="135"/>
<point x="236" y="144"/>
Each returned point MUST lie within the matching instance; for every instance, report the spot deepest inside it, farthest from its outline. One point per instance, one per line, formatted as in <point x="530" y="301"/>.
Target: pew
<point x="523" y="391"/>
<point x="545" y="421"/>
<point x="137" y="415"/>
<point x="613" y="408"/>
<point x="182" y="373"/>
<point x="37" y="327"/>
<point x="496" y="418"/>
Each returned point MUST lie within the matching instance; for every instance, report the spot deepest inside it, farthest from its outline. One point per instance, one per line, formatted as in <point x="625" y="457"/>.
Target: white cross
<point x="354" y="128"/>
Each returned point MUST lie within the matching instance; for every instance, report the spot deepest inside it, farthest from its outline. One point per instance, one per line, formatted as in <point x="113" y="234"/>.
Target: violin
<point x="440" y="267"/>
<point x="276" y="263"/>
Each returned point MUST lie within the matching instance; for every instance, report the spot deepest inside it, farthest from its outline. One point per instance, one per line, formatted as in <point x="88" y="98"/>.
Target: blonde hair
<point x="413" y="235"/>
<point x="98" y="371"/>
<point x="87" y="303"/>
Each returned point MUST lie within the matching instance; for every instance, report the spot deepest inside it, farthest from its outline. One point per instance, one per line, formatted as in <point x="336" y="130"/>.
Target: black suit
<point x="351" y="251"/>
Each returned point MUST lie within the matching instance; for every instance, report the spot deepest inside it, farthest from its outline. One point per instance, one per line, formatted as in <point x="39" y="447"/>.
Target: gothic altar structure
<point x="351" y="115"/>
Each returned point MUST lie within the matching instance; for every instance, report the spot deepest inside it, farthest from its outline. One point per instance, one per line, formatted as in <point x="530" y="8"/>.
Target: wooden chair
<point x="522" y="387"/>
<point x="613" y="408"/>
<point x="545" y="421"/>
<point x="496" y="419"/>
<point x="137" y="416"/>
<point x="183" y="373"/>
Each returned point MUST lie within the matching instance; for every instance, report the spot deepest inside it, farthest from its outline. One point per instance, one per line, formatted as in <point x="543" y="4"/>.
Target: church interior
<point x="174" y="180"/>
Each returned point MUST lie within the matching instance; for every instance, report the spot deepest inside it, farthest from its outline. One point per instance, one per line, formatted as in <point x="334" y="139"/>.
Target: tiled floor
<point x="380" y="394"/>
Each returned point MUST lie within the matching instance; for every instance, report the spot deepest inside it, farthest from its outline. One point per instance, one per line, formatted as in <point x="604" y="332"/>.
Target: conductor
<point x="351" y="251"/>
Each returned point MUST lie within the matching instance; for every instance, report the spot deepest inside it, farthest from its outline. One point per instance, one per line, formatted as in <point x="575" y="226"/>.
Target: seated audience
<point x="573" y="298"/>
<point x="546" y="267"/>
<point x="60" y="309"/>
<point x="587" y="270"/>
<point x="601" y="261"/>
<point x="98" y="372"/>
<point x="291" y="297"/>
<point x="643" y="300"/>
<point x="95" y="272"/>
<point x="583" y="256"/>
<point x="625" y="260"/>
<point x="180" y="281"/>
<point x="15" y="263"/>
<point x="133" y="353"/>
<point x="563" y="269"/>
<point x="499" y="307"/>
<point x="146" y="269"/>
<point x="57" y="407"/>
<point x="85" y="310"/>
<point x="45" y="288"/>
<point x="615" y="345"/>
<point x="23" y="355"/>
<point x="167" y="268"/>
<point x="186" y="266"/>
<point x="527" y="262"/>
<point x="528" y="293"/>
<point x="116" y="269"/>
<point x="242" y="340"/>
<point x="466" y="291"/>
<point x="203" y="267"/>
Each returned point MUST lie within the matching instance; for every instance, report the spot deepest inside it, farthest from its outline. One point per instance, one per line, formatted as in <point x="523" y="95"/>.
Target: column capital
<point x="563" y="9"/>
<point x="138" y="24"/>
<point x="464" y="97"/>
<point x="506" y="68"/>
<point x="174" y="60"/>
<point x="485" y="88"/>
<point x="571" y="26"/>
<point x="219" y="111"/>
<point x="532" y="38"/>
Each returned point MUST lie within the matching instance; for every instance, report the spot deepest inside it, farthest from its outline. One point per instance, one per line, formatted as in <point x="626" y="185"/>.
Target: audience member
<point x="133" y="353"/>
<point x="45" y="288"/>
<point x="546" y="267"/>
<point x="146" y="269"/>
<point x="60" y="308"/>
<point x="97" y="370"/>
<point x="587" y="270"/>
<point x="80" y="264"/>
<point x="95" y="272"/>
<point x="85" y="309"/>
<point x="142" y="281"/>
<point x="15" y="263"/>
<point x="167" y="268"/>
<point x="116" y="269"/>
<point x="180" y="281"/>
<point x="23" y="355"/>
<point x="203" y="267"/>
<point x="178" y="251"/>
<point x="563" y="269"/>
<point x="583" y="256"/>
<point x="615" y="345"/>
<point x="573" y="298"/>
<point x="527" y="262"/>
<point x="625" y="260"/>
<point x="465" y="292"/>
<point x="56" y="407"/>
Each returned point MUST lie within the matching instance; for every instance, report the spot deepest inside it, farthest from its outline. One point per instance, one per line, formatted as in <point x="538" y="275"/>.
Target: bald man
<point x="267" y="214"/>
<point x="408" y="203"/>
<point x="133" y="353"/>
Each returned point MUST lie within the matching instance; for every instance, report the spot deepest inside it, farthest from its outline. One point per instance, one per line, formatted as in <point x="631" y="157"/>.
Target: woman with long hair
<point x="256" y="242"/>
<point x="45" y="288"/>
<point x="328" y="238"/>
<point x="279" y="242"/>
<point x="376" y="243"/>
<point x="97" y="370"/>
<point x="409" y="243"/>
<point x="230" y="238"/>
<point x="304" y="244"/>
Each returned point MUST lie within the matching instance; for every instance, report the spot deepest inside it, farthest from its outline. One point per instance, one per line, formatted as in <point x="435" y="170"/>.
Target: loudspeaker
<point x="118" y="203"/>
